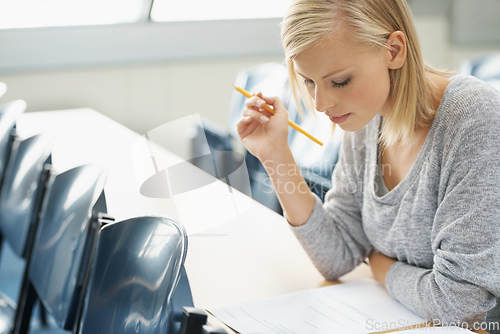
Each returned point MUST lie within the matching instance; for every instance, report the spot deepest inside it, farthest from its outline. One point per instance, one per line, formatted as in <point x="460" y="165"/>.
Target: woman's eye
<point x="341" y="84"/>
<point x="308" y="82"/>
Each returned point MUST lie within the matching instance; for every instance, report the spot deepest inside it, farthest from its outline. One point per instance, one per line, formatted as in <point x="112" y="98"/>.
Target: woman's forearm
<point x="293" y="192"/>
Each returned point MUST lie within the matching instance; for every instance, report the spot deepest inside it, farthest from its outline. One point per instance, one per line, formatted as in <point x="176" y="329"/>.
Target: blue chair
<point x="213" y="152"/>
<point x="272" y="80"/>
<point x="138" y="282"/>
<point x="94" y="276"/>
<point x="227" y="154"/>
<point x="26" y="177"/>
<point x="315" y="162"/>
<point x="9" y="112"/>
<point x="72" y="213"/>
<point x="485" y="67"/>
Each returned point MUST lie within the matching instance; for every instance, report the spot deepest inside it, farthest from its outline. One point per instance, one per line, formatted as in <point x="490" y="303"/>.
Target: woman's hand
<point x="380" y="265"/>
<point x="266" y="137"/>
<point x="261" y="132"/>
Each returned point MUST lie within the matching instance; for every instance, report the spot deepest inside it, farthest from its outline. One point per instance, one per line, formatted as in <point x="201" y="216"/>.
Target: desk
<point x="235" y="262"/>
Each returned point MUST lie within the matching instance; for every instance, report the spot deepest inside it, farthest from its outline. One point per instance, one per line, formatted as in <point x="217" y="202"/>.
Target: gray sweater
<point x="441" y="222"/>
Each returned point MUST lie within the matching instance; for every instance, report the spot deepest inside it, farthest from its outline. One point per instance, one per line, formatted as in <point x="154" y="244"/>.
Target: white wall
<point x="437" y="48"/>
<point x="139" y="96"/>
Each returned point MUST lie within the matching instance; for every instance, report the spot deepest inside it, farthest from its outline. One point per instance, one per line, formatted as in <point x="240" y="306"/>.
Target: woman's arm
<point x="331" y="233"/>
<point x="464" y="281"/>
<point x="380" y="265"/>
<point x="265" y="136"/>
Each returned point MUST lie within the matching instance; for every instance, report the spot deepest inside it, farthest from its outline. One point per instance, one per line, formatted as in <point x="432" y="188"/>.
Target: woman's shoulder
<point x="469" y="115"/>
<point x="468" y="105"/>
<point x="468" y="98"/>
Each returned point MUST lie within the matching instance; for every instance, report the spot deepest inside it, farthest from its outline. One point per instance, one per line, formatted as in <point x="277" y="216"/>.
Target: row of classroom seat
<point x="84" y="271"/>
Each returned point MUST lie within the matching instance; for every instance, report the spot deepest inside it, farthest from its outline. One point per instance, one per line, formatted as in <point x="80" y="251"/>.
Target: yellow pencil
<point x="291" y="123"/>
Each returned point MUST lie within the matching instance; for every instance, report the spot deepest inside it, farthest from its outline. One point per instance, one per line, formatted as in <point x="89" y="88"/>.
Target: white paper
<point x="438" y="330"/>
<point x="362" y="306"/>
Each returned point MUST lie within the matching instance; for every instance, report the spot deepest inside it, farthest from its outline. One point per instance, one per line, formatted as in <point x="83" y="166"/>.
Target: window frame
<point x="49" y="48"/>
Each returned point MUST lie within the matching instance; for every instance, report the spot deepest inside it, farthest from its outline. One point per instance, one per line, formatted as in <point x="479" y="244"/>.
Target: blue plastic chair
<point x="316" y="162"/>
<point x="272" y="80"/>
<point x="72" y="212"/>
<point x="138" y="282"/>
<point x="226" y="156"/>
<point x="485" y="67"/>
<point x="213" y="152"/>
<point x="9" y="112"/>
<point x="26" y="178"/>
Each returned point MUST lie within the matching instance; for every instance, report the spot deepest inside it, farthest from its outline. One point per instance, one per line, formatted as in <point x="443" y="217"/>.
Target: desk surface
<point x="242" y="252"/>
<point x="234" y="262"/>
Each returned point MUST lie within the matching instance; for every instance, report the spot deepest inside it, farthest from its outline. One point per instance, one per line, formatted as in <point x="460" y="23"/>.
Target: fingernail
<point x="263" y="119"/>
<point x="260" y="103"/>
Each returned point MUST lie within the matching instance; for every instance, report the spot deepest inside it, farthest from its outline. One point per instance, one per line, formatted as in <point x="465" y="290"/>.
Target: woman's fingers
<point x="273" y="101"/>
<point x="257" y="115"/>
<point x="246" y="126"/>
<point x="250" y="121"/>
<point x="257" y="93"/>
<point x="257" y="102"/>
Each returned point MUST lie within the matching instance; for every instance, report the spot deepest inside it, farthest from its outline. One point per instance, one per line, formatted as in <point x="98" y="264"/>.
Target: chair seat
<point x="7" y="311"/>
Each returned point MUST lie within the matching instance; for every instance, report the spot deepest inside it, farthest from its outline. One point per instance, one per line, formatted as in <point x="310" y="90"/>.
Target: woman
<point x="417" y="186"/>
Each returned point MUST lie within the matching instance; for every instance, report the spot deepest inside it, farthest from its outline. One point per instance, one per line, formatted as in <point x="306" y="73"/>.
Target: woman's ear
<point x="396" y="44"/>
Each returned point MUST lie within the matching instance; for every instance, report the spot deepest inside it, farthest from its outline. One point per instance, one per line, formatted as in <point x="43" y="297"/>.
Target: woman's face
<point x="350" y="86"/>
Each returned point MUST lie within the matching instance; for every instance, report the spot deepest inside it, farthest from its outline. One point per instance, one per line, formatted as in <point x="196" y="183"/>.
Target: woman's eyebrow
<point x="333" y="72"/>
<point x="302" y="75"/>
<point x="325" y="76"/>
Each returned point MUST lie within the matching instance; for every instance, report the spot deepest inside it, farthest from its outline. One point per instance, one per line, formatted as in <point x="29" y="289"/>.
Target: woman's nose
<point x="323" y="102"/>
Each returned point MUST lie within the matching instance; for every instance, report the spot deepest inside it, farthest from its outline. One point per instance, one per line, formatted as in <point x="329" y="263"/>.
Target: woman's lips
<point x="339" y="119"/>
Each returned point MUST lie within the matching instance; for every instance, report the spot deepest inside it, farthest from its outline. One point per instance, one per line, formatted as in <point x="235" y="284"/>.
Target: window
<point x="43" y="13"/>
<point x="106" y="32"/>
<point x="181" y="10"/>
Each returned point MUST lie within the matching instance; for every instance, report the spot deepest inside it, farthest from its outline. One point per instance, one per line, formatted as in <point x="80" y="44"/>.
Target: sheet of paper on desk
<point x="437" y="330"/>
<point x="362" y="306"/>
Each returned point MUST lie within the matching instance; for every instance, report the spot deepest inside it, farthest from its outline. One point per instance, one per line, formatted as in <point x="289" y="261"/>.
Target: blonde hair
<point x="371" y="22"/>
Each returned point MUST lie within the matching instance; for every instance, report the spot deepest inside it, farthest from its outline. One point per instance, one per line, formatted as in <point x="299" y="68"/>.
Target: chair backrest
<point x="270" y="78"/>
<point x="485" y="67"/>
<point x="64" y="241"/>
<point x="25" y="181"/>
<point x="8" y="116"/>
<point x="137" y="267"/>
